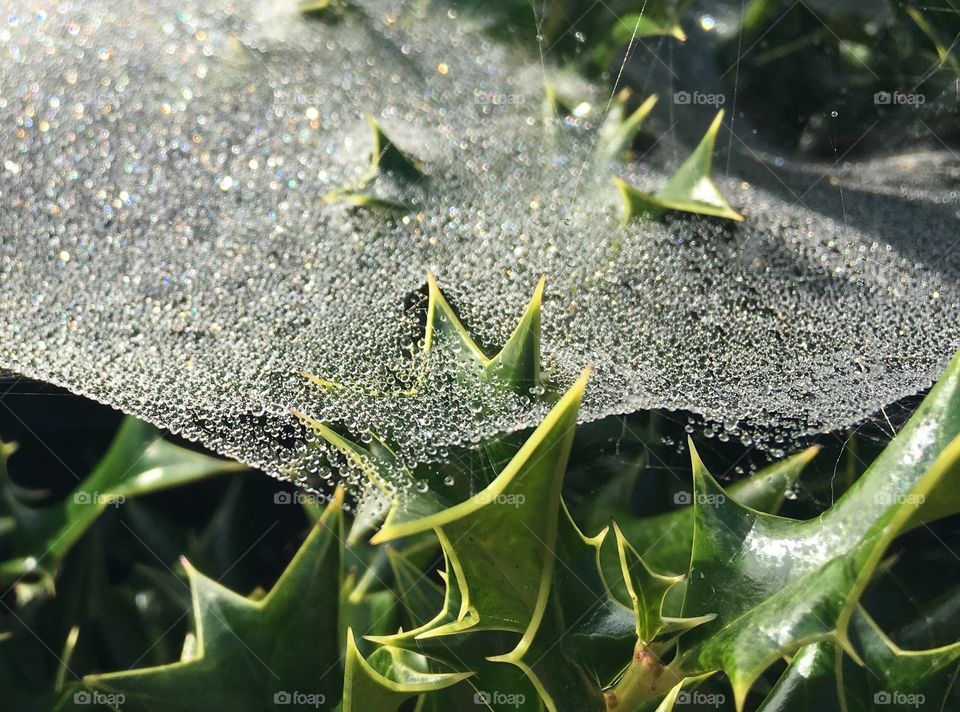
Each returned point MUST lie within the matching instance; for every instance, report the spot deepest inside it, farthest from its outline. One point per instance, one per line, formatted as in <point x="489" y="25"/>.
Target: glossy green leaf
<point x="666" y="540"/>
<point x="388" y="679"/>
<point x="788" y="583"/>
<point x="809" y="681"/>
<point x="890" y="677"/>
<point x="647" y="590"/>
<point x="500" y="540"/>
<point x="500" y="543"/>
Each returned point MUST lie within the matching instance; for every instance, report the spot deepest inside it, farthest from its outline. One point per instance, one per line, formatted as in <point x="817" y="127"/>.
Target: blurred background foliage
<point x="807" y="75"/>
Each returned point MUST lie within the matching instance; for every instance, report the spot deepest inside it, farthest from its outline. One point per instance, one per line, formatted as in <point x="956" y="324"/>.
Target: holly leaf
<point x="820" y="675"/>
<point x="619" y="129"/>
<point x="389" y="678"/>
<point x="248" y="654"/>
<point x="138" y="462"/>
<point x="500" y="545"/>
<point x="516" y="367"/>
<point x="788" y="583"/>
<point x="584" y="634"/>
<point x="502" y="537"/>
<point x="648" y="590"/>
<point x="386" y="158"/>
<point x="420" y="595"/>
<point x="666" y="540"/>
<point x="454" y="614"/>
<point x="690" y="190"/>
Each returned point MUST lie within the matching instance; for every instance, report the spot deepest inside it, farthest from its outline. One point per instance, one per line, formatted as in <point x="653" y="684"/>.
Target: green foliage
<point x="35" y="540"/>
<point x="890" y="676"/>
<point x="249" y="653"/>
<point x="389" y="678"/>
<point x="584" y="34"/>
<point x="620" y="128"/>
<point x="786" y="583"/>
<point x="689" y="190"/>
<point x="527" y="611"/>
<point x="802" y="580"/>
<point x="841" y="55"/>
<point x="386" y="160"/>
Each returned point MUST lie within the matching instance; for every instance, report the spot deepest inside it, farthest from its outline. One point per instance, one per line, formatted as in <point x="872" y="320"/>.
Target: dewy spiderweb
<point x="165" y="245"/>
